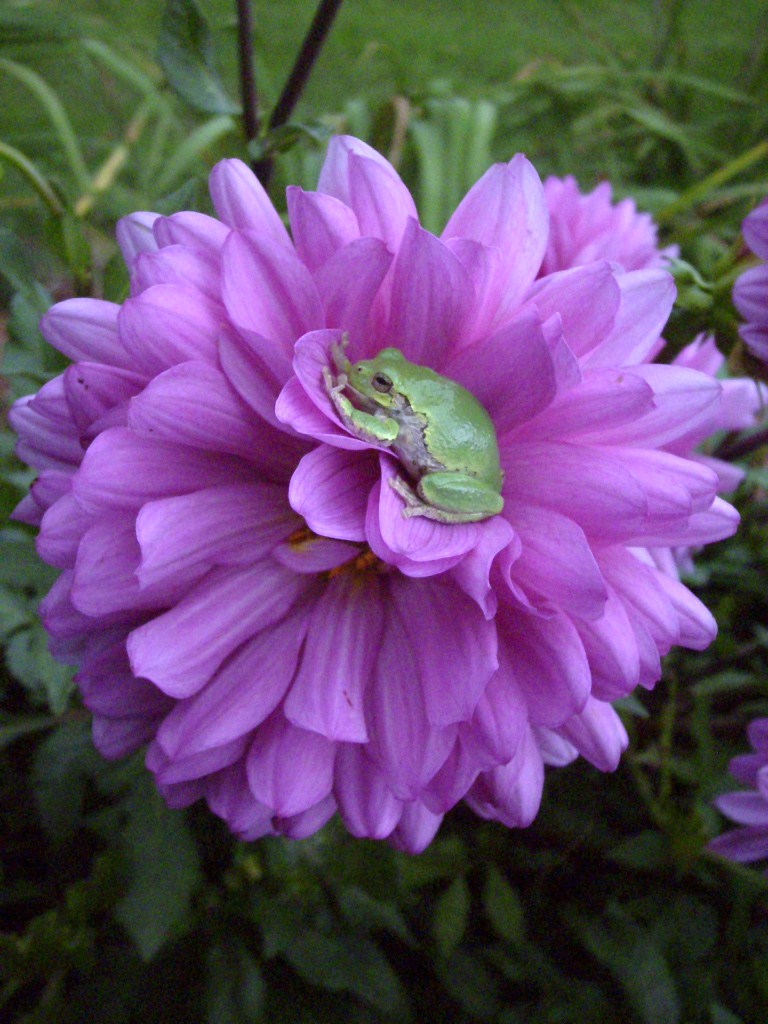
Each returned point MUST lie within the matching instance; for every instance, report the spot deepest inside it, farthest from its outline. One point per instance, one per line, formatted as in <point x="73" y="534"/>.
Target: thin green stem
<point x="57" y="116"/>
<point x="17" y="159"/>
<point x="702" y="188"/>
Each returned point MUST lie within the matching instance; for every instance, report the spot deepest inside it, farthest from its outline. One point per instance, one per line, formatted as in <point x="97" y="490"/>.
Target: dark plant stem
<point x="744" y="446"/>
<point x="248" y="95"/>
<point x="297" y="79"/>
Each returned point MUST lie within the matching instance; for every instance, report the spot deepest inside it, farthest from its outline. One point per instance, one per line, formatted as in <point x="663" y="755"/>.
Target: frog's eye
<point x="381" y="383"/>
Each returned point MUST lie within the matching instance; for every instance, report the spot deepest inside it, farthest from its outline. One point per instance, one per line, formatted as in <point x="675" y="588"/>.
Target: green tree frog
<point x="441" y="434"/>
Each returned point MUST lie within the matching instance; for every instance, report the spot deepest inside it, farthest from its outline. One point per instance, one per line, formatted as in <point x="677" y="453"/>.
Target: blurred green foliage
<point x="607" y="909"/>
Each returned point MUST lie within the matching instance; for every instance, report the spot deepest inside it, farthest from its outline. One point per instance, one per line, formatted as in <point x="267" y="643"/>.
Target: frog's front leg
<point x="449" y="497"/>
<point x="362" y="425"/>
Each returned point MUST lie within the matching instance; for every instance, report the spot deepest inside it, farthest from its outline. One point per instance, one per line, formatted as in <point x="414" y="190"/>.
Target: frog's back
<point x="459" y="430"/>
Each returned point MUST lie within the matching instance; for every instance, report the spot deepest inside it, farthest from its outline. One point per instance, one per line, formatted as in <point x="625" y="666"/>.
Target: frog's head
<point x="378" y="379"/>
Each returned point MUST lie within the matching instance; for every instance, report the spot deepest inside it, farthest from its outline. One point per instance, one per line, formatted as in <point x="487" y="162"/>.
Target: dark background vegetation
<point x="608" y="910"/>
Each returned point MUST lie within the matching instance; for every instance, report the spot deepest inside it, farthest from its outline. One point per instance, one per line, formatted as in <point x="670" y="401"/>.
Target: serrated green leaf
<point x="164" y="870"/>
<point x="451" y="915"/>
<point x="186" y="54"/>
<point x="502" y="906"/>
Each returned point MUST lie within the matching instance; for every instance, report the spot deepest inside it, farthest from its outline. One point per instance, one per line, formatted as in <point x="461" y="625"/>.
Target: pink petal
<point x="313" y="554"/>
<point x="348" y="283"/>
<point x="742" y="844"/>
<point x="430" y="293"/>
<point x="306" y="823"/>
<point x="116" y="738"/>
<point x="406" y="748"/>
<point x="178" y="265"/>
<point x="453" y="645"/>
<point x="511" y="373"/>
<point x="270" y="296"/>
<point x="506" y="209"/>
<point x="62" y="526"/>
<point x="511" y="793"/>
<point x="590" y="486"/>
<point x="339" y="656"/>
<point x="473" y="572"/>
<point x="454" y="778"/>
<point x="311" y="354"/>
<point x="240" y="696"/>
<point x="550" y="664"/>
<point x="134" y="236"/>
<point x="556" y="562"/>
<point x="586" y="299"/>
<point x="321" y="225"/>
<point x="123" y="470"/>
<point x="684" y="400"/>
<point x="180" y="650"/>
<point x="612" y="651"/>
<point x="247" y="373"/>
<point x="233" y="524"/>
<point x="416" y="542"/>
<point x="95" y="389"/>
<point x="750" y="294"/>
<point x="598" y="735"/>
<point x="230" y="798"/>
<point x="330" y="489"/>
<point x="105" y="572"/>
<point x="289" y="769"/>
<point x="416" y="829"/>
<point x="86" y="329"/>
<point x="646" y="300"/>
<point x="196" y="230"/>
<point x="242" y="203"/>
<point x="193" y="404"/>
<point x="500" y="721"/>
<point x="603" y="402"/>
<point x="744" y="808"/>
<point x="169" y="324"/>
<point x="366" y="804"/>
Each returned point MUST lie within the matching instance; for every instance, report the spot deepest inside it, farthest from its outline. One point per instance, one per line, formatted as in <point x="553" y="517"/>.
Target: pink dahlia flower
<point x="588" y="227"/>
<point x="750" y="293"/>
<point x="243" y="588"/>
<point x="748" y="808"/>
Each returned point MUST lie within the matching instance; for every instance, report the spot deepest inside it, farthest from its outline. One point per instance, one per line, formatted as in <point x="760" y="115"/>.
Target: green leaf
<point x="13" y="727"/>
<point x="64" y="762"/>
<point x="28" y="659"/>
<point x="502" y="906"/>
<point x="637" y="964"/>
<point x="648" y="850"/>
<point x="235" y="990"/>
<point x="349" y="963"/>
<point x="186" y="54"/>
<point x="451" y="916"/>
<point x="164" y="870"/>
<point x="719" y="1014"/>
